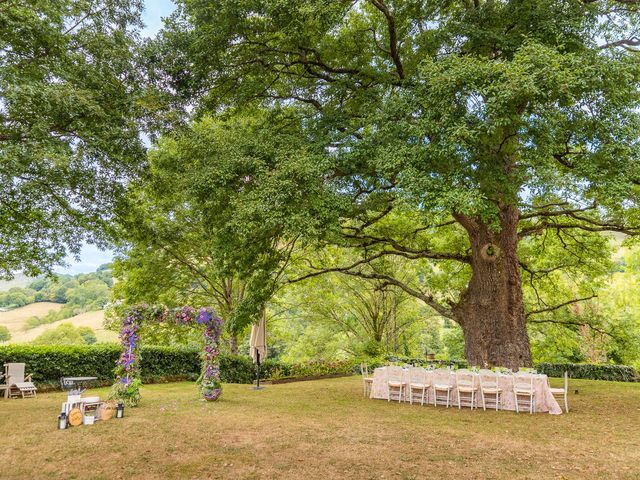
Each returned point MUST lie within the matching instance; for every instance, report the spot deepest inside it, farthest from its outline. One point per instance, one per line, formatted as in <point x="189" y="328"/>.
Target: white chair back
<point x="443" y="376"/>
<point x="417" y="375"/>
<point x="523" y="381"/>
<point x="14" y="372"/>
<point x="394" y="373"/>
<point x="465" y="378"/>
<point x="488" y="379"/>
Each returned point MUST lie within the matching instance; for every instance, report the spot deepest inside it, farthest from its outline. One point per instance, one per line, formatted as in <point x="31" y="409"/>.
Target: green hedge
<point x="158" y="364"/>
<point x="162" y="364"/>
<point x="48" y="363"/>
<point x="241" y="369"/>
<point x="617" y="373"/>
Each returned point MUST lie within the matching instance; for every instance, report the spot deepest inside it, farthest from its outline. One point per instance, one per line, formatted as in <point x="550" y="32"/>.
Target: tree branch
<point x="626" y="42"/>
<point x="559" y="306"/>
<point x="393" y="36"/>
<point x="426" y="298"/>
<point x="556" y="213"/>
<point x="578" y="324"/>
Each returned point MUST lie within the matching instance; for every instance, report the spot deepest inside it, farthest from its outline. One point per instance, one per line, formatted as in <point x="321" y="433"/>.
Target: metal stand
<point x="257" y="386"/>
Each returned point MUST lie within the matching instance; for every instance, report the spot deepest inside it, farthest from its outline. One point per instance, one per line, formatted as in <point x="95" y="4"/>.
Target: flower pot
<point x="89" y="419"/>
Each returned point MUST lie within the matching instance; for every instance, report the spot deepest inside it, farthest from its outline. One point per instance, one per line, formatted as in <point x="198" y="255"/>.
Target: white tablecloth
<point x="545" y="402"/>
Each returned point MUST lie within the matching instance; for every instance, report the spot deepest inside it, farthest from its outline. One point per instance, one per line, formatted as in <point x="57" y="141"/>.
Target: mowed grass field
<point x="15" y="320"/>
<point x="324" y="430"/>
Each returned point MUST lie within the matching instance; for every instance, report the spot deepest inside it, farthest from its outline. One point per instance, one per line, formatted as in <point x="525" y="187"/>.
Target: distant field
<point x="14" y="320"/>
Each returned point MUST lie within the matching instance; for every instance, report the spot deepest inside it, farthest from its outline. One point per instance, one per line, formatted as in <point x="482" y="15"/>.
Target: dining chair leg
<point x="497" y="400"/>
<point x="517" y="406"/>
<point x="566" y="403"/>
<point x="459" y="400"/>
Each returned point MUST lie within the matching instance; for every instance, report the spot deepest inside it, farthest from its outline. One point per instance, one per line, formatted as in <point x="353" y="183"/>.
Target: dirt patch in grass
<point x="324" y="429"/>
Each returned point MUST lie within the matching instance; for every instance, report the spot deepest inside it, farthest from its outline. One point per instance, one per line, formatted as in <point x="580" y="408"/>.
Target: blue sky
<point x="91" y="257"/>
<point x="154" y="10"/>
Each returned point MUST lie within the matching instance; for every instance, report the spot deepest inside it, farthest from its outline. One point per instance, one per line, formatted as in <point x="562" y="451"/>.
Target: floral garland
<point x="127" y="386"/>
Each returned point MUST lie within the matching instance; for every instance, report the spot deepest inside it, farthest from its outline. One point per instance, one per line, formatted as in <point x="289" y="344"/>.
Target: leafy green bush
<point x="320" y="367"/>
<point x="66" y="334"/>
<point x="5" y="335"/>
<point x="237" y="369"/>
<point x="88" y="335"/>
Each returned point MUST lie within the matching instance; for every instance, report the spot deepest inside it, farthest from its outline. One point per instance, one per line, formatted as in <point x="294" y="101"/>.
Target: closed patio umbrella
<point x="258" y="344"/>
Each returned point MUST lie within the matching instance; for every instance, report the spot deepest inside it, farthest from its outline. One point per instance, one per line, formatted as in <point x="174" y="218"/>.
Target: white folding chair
<point x="442" y="386"/>
<point x="489" y="388"/>
<point x="395" y="382"/>
<point x="367" y="381"/>
<point x="524" y="391"/>
<point x="418" y="384"/>
<point x="562" y="392"/>
<point x="466" y="387"/>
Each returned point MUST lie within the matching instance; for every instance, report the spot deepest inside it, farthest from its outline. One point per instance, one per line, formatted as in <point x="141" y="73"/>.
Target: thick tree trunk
<point x="491" y="310"/>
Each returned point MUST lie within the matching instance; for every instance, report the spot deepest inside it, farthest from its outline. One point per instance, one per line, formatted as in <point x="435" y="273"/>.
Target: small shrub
<point x="5" y="335"/>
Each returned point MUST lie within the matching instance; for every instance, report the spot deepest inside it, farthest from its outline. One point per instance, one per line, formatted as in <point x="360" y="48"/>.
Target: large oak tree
<point x="493" y="126"/>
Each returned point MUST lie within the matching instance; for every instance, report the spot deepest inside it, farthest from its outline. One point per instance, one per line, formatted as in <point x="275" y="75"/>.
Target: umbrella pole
<point x="257" y="387"/>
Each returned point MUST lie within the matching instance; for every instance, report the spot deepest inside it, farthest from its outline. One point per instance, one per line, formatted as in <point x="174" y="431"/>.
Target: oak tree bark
<point x="491" y="310"/>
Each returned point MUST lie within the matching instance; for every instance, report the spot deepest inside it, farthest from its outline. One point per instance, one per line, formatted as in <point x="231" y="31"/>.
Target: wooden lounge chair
<point x="17" y="383"/>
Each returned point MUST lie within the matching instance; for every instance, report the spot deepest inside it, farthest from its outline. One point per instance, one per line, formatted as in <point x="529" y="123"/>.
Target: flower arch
<point x="128" y="381"/>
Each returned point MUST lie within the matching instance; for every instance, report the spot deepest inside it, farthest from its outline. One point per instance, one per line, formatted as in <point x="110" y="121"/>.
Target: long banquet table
<point x="545" y="402"/>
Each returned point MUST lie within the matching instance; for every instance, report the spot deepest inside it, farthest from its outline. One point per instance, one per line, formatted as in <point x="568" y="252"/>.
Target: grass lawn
<point x="324" y="429"/>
